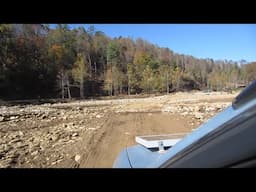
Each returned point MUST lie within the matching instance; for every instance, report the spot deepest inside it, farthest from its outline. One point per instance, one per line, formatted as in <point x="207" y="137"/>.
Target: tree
<point x="80" y="72"/>
<point x="37" y="61"/>
<point x="250" y="71"/>
<point x="165" y="77"/>
<point x="113" y="60"/>
<point x="108" y="85"/>
<point x="176" y="74"/>
<point x="131" y="75"/>
<point x="62" y="50"/>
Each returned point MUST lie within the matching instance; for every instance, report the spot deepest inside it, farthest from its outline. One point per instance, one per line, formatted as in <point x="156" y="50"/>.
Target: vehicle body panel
<point x="222" y="140"/>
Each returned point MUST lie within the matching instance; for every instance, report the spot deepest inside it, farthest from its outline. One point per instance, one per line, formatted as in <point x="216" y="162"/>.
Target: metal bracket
<point x="161" y="146"/>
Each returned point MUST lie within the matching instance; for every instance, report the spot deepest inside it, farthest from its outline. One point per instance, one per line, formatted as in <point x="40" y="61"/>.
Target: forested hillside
<point x="39" y="62"/>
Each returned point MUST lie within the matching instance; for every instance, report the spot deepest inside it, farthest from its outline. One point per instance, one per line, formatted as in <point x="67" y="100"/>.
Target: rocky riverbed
<point x="81" y="133"/>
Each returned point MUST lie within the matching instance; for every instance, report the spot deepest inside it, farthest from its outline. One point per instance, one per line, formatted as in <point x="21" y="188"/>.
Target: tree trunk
<point x="111" y="80"/>
<point x="90" y="63"/>
<point x="95" y="70"/>
<point x="62" y="85"/>
<point x="148" y="87"/>
<point x="90" y="71"/>
<point x="82" y="88"/>
<point x="129" y="91"/>
<point x="69" y="94"/>
<point x="68" y="87"/>
<point x="120" y="89"/>
<point x="167" y="83"/>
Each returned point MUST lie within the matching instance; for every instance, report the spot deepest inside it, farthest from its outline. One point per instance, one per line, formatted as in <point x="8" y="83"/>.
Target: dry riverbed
<point x="92" y="133"/>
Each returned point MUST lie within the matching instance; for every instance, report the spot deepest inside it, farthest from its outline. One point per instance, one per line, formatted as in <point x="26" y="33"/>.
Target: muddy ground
<point x="91" y="133"/>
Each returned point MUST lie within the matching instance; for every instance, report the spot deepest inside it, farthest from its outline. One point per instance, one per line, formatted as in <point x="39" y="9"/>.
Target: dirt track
<point x="90" y="134"/>
<point x="120" y="131"/>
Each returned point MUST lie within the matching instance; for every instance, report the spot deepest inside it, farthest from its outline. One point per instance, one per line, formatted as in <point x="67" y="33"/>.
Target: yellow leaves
<point x="140" y="58"/>
<point x="4" y="27"/>
<point x="80" y="68"/>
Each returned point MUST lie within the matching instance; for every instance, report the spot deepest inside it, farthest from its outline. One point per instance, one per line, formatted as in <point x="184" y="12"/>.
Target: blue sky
<point x="216" y="41"/>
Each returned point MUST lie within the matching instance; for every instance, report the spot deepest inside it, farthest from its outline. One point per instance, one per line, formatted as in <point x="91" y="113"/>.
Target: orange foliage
<point x="57" y="50"/>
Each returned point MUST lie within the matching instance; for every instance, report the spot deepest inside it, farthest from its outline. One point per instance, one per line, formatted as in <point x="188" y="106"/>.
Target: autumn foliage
<point x="37" y="61"/>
